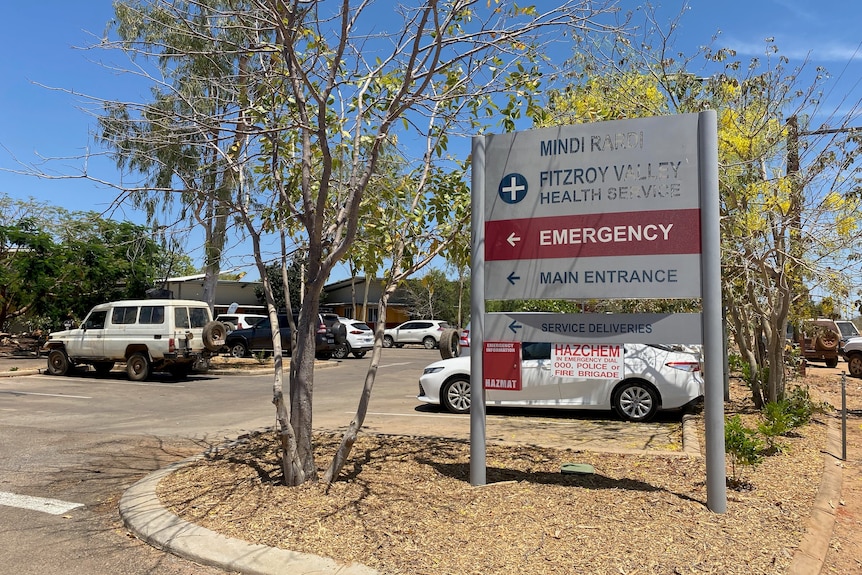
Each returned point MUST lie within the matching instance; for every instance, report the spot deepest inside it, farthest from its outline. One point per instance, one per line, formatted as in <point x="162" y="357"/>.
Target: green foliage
<point x="58" y="268"/>
<point x="433" y="297"/>
<point x="801" y="407"/>
<point x="742" y="444"/>
<point x="776" y="422"/>
<point x="294" y="280"/>
<point x="783" y="416"/>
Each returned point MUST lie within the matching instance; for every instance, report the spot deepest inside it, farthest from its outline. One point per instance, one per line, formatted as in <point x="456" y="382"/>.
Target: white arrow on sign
<point x="513" y="239"/>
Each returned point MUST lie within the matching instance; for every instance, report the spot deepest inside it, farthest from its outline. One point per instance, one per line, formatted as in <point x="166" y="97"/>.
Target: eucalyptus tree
<point x="185" y="140"/>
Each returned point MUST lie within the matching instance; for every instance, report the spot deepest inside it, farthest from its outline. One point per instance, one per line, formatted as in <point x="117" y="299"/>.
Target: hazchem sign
<point x="587" y="361"/>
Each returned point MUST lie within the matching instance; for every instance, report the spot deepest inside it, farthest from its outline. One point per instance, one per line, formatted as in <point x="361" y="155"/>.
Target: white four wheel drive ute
<point x="148" y="335"/>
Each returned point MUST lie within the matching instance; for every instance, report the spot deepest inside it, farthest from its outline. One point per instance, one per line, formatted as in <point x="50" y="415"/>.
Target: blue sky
<point x="39" y="51"/>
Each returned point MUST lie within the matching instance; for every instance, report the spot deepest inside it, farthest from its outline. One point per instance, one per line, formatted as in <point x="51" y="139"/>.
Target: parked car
<point x="148" y="335"/>
<point x="853" y="354"/>
<point x="817" y="340"/>
<point x="847" y="329"/>
<point x="422" y="331"/>
<point x="258" y="338"/>
<point x="359" y="339"/>
<point x="239" y="320"/>
<point x="654" y="377"/>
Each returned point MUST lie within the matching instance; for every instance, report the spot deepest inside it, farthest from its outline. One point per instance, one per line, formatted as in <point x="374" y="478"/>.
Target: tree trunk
<point x="350" y="434"/>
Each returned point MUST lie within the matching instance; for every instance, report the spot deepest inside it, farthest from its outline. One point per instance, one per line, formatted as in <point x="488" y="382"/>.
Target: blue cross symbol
<point x="513" y="188"/>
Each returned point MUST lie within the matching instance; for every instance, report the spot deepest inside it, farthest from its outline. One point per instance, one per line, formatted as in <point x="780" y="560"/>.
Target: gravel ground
<point x="404" y="505"/>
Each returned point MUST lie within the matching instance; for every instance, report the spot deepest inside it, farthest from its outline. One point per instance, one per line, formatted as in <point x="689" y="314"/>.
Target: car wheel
<point x="388" y="341"/>
<point x="58" y="362"/>
<point x="854" y="364"/>
<point x="359" y="354"/>
<point x="455" y="395"/>
<point x="450" y="343"/>
<point x="832" y="362"/>
<point x="103" y="368"/>
<point x="429" y="342"/>
<point x="138" y="367"/>
<point x="342" y="350"/>
<point x="214" y="334"/>
<point x="636" y="401"/>
<point x="238" y="350"/>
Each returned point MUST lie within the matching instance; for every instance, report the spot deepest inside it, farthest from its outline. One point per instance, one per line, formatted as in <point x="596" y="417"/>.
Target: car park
<point x="239" y="320"/>
<point x="359" y="339"/>
<point x="148" y="335"/>
<point x="652" y="378"/>
<point x="426" y="332"/>
<point x="258" y="338"/>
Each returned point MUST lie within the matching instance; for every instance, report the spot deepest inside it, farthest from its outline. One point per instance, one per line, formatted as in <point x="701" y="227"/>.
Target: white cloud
<point x="820" y="52"/>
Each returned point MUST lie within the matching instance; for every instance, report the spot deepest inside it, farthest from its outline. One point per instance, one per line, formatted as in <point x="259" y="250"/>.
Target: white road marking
<point x="396" y="364"/>
<point x="43" y="504"/>
<point x="145" y="384"/>
<point x="46" y="394"/>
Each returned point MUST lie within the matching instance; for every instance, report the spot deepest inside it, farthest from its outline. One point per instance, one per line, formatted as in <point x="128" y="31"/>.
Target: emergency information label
<point x="501" y="365"/>
<point x="587" y="361"/>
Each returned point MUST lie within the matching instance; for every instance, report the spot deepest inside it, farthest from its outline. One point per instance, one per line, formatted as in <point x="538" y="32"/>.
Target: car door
<point x="537" y="385"/>
<point x="89" y="339"/>
<point x="412" y="331"/>
<point x="260" y="336"/>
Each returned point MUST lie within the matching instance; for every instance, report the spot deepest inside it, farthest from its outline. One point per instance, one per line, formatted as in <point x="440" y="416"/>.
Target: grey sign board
<point x="605" y="210"/>
<point x="642" y="164"/>
<point x="681" y="328"/>
<point x="654" y="277"/>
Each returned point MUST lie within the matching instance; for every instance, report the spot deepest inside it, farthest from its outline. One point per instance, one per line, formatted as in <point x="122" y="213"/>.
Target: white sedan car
<point x="651" y="378"/>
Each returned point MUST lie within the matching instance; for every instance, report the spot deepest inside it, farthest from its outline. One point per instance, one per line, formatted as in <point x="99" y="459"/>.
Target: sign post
<point x="618" y="209"/>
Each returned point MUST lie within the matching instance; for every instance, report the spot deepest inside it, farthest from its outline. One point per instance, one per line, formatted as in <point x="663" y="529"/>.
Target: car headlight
<point x="434" y="369"/>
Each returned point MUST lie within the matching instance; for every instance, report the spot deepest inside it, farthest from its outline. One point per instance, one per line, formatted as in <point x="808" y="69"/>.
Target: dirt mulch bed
<point x="404" y="505"/>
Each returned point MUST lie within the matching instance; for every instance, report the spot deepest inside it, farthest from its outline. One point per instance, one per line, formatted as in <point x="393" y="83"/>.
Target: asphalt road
<point x="82" y="440"/>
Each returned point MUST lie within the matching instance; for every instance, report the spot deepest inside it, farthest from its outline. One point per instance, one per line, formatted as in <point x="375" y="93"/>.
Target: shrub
<point x="777" y="421"/>
<point x="742" y="444"/>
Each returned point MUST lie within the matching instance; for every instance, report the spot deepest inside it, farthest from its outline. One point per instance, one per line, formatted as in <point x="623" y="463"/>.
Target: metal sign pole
<point x="716" y="473"/>
<point x="477" y="317"/>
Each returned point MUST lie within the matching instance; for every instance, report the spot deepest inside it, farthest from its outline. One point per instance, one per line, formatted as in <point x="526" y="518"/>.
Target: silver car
<point x="650" y="378"/>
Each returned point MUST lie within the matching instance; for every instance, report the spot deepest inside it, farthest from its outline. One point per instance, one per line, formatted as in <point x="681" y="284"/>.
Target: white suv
<point x="148" y="335"/>
<point x="423" y="331"/>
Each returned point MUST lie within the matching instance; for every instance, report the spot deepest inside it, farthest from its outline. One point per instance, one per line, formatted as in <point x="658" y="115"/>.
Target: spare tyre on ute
<point x="818" y="341"/>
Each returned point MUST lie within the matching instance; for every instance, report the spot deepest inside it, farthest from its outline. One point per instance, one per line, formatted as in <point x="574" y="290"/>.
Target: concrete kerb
<point x="812" y="550"/>
<point x="144" y="515"/>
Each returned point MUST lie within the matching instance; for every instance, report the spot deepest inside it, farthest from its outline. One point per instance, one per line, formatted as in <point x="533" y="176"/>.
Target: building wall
<point x="337" y="298"/>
